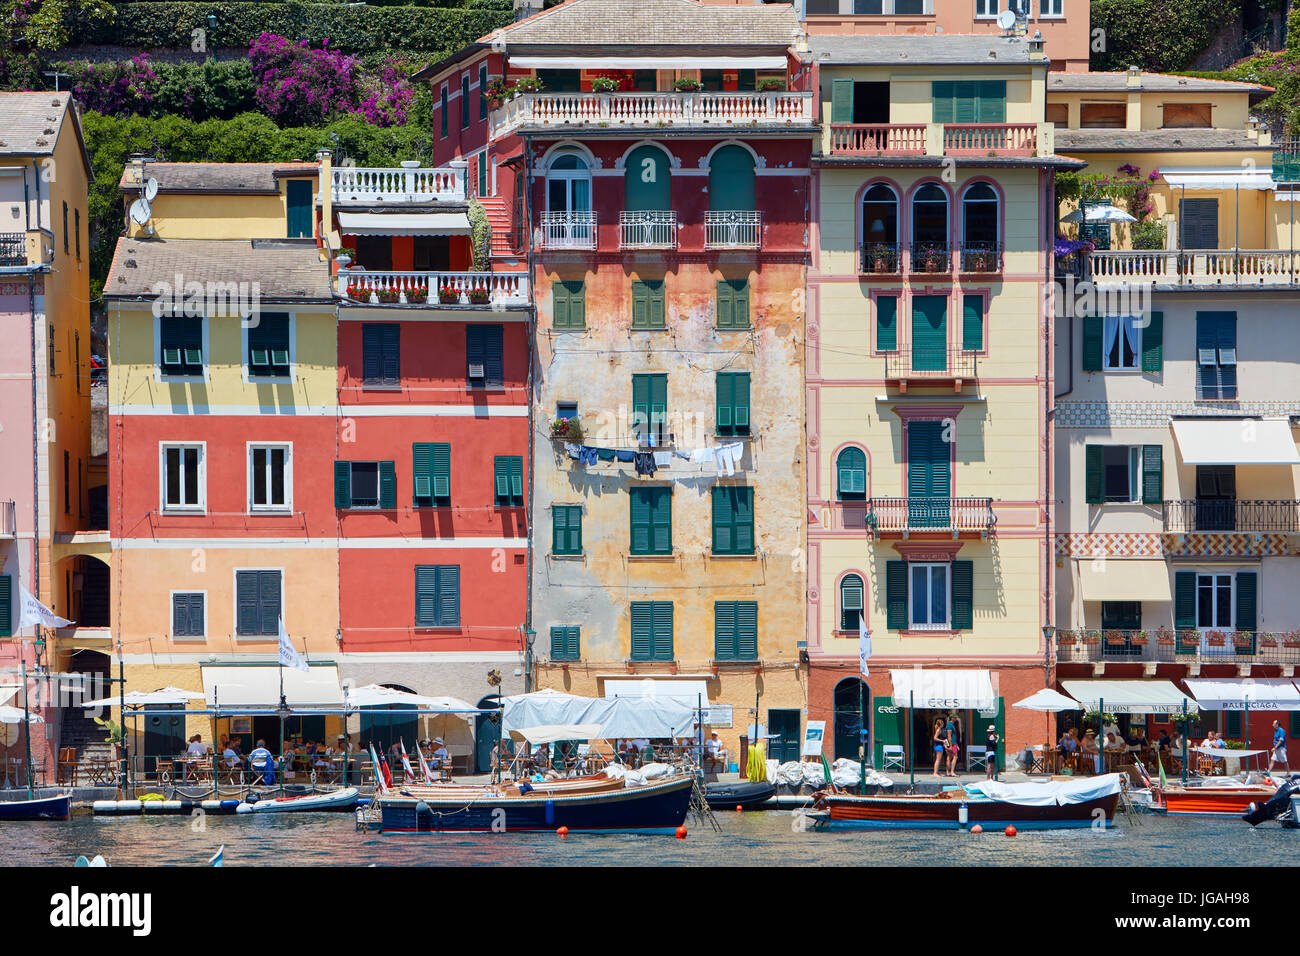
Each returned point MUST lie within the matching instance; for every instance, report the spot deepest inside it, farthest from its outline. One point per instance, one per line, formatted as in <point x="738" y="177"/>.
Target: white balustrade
<point x="362" y="184"/>
<point x="1196" y="267"/>
<point x="652" y="109"/>
<point x="448" y="288"/>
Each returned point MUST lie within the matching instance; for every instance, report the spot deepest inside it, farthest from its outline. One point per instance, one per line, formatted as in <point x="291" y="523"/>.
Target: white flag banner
<point x="34" y="612"/>
<point x="289" y="655"/>
<point x="864" y="646"/>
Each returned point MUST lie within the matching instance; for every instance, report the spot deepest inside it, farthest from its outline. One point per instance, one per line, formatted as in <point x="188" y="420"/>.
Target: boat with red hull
<point x="1209" y="801"/>
<point x="1043" y="806"/>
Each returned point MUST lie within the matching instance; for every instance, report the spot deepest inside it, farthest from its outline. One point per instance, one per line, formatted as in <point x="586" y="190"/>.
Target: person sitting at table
<point x="441" y="757"/>
<point x="287" y="760"/>
<point x="715" y="754"/>
<point x="194" y="755"/>
<point x="1114" y="744"/>
<point x="263" y="764"/>
<point x="1164" y="743"/>
<point x="230" y="761"/>
<point x="1208" y="742"/>
<point x="1067" y="745"/>
<point x="1089" y="745"/>
<point x="1220" y="743"/>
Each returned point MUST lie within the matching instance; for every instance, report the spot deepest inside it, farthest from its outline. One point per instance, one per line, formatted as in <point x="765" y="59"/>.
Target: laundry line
<point x="725" y="458"/>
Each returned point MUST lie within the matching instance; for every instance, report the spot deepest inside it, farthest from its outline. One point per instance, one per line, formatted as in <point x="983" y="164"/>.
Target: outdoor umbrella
<point x="14" y="715"/>
<point x="142" y="698"/>
<point x="1098" y="214"/>
<point x="1048" y="701"/>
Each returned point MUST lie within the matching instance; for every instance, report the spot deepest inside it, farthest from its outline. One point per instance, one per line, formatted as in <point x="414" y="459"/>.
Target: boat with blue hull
<point x="40" y="808"/>
<point x="659" y="805"/>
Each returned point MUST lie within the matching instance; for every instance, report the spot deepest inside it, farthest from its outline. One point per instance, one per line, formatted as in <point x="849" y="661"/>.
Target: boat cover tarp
<point x="1057" y="793"/>
<point x="555" y="733"/>
<point x="848" y="773"/>
<point x="619" y="717"/>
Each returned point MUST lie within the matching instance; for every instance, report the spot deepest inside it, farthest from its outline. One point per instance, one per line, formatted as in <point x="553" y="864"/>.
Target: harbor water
<point x="751" y="839"/>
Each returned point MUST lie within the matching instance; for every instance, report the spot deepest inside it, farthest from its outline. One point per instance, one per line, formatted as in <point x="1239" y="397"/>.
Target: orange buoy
<point x="562" y="832"/>
<point x="739" y="808"/>
<point x="1011" y="831"/>
<point x="977" y="829"/>
<point x="681" y="833"/>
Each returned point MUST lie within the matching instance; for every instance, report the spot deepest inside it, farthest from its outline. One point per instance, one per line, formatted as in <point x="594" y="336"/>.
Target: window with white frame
<point x="1119" y="473"/>
<point x="1214" y="607"/>
<point x="1051" y="8"/>
<point x="270" y="479"/>
<point x="987" y="8"/>
<point x="1121" y="348"/>
<point x="183" y="478"/>
<point x="928" y="584"/>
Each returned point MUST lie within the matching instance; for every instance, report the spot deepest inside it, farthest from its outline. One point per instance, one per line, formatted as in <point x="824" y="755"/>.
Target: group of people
<point x="949" y="741"/>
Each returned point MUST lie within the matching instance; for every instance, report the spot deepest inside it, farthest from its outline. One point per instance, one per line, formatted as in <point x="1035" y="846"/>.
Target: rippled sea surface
<point x="750" y="839"/>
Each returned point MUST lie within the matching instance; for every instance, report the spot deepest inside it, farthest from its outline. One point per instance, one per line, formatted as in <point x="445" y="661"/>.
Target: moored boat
<point x="344" y="799"/>
<point x="1211" y="801"/>
<point x="657" y="805"/>
<point x="743" y="793"/>
<point x="1055" y="805"/>
<point x="40" y="808"/>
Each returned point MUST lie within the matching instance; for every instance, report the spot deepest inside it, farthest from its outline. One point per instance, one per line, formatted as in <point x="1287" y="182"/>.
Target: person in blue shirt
<point x="1279" y="747"/>
<point x="261" y="758"/>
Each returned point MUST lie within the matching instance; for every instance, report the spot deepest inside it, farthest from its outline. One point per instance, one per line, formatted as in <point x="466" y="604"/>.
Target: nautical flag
<point x="424" y="767"/>
<point x="406" y="761"/>
<point x="289" y="656"/>
<point x="379" y="770"/>
<point x="1164" y="784"/>
<point x="34" y="612"/>
<point x="864" y="644"/>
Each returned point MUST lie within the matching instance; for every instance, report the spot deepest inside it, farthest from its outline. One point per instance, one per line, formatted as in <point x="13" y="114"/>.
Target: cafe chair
<point x="976" y="756"/>
<point x="892" y="756"/>
<point x="67" y="767"/>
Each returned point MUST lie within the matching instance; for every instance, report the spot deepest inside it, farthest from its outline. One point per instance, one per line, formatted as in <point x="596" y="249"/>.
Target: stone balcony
<point x="1092" y="645"/>
<point x="939" y="139"/>
<point x="372" y="186"/>
<point x="559" y="111"/>
<point x="1196" y="268"/>
<point x="486" y="290"/>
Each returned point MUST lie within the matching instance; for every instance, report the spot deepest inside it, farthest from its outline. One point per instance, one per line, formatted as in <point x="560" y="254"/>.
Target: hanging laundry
<point x="622" y="455"/>
<point x="573" y="450"/>
<point x="645" y="463"/>
<point x="702" y="456"/>
<point x="663" y="459"/>
<point x="587" y="455"/>
<point x="605" y="454"/>
<point x="728" y="457"/>
<point x="684" y="455"/>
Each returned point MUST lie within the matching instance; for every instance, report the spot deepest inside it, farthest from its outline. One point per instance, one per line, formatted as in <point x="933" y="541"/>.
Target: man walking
<point x="1279" y="747"/>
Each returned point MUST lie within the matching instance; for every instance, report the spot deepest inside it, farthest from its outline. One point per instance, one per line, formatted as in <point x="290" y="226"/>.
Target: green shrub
<point x="170" y="25"/>
<point x="1159" y="35"/>
<point x="1148" y="234"/>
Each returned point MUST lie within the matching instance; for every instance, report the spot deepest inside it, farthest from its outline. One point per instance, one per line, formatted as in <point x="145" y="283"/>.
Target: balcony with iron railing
<point x="980" y="257"/>
<point x="958" y="517"/>
<point x="568" y="230"/>
<point x="647" y="229"/>
<point x="13" y="249"/>
<point x="733" y="229"/>
<point x="1169" y="646"/>
<point x="881" y="258"/>
<point x="1195" y="268"/>
<point x="918" y="365"/>
<point x="1198" y="516"/>
<point x="668" y="108"/>
<point x="939" y="139"/>
<point x="487" y="290"/>
<point x="369" y="185"/>
<point x="928" y="256"/>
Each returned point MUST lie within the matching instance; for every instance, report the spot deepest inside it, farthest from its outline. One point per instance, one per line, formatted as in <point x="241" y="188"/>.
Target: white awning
<point x="571" y="62"/>
<point x="259" y="686"/>
<point x="1258" y="693"/>
<point x="7" y="694"/>
<point x="958" y="689"/>
<point x="146" y="698"/>
<point x="687" y="691"/>
<point x="1236" y="441"/>
<point x="1129" y="696"/>
<point x="554" y="733"/>
<point x="1226" y="177"/>
<point x="404" y="224"/>
<point x="1128" y="579"/>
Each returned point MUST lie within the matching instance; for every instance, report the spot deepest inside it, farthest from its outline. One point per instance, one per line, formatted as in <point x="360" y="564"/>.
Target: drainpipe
<point x="529" y="630"/>
<point x="1049" y="425"/>
<point x="36" y="481"/>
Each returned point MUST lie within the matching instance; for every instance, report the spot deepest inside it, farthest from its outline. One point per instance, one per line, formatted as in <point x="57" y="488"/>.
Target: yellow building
<point x="927" y="378"/>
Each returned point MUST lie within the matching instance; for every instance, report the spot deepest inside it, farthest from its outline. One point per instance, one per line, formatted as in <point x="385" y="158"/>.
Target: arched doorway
<point x="848" y="716"/>
<point x="487" y="731"/>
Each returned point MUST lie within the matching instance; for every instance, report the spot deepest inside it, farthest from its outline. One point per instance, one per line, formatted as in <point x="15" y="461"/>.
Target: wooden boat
<point x="743" y="794"/>
<point x="439" y="791"/>
<point x="41" y="808"/>
<point x="344" y="799"/>
<point x="1043" y="806"/>
<point x="659" y="805"/>
<point x="1210" y="801"/>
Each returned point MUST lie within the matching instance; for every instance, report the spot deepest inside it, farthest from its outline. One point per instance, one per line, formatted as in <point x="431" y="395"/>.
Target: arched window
<point x="568" y="183"/>
<point x="851" y="597"/>
<point x="851" y="474"/>
<point x="930" y="216"/>
<point x="880" y="229"/>
<point x="731" y="180"/>
<point x="647" y="181"/>
<point x="979" y="214"/>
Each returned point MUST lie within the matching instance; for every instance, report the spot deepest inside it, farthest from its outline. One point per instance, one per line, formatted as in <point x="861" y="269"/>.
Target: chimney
<point x="526" y="8"/>
<point x="324" y="186"/>
<point x="1134" y="79"/>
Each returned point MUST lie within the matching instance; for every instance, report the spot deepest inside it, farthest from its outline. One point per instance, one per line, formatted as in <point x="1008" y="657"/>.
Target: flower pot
<point x="448" y="299"/>
<point x="1165" y="641"/>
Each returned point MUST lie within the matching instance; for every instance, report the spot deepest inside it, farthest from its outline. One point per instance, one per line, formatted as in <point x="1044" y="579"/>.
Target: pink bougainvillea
<point x="117" y="89"/>
<point x="299" y="85"/>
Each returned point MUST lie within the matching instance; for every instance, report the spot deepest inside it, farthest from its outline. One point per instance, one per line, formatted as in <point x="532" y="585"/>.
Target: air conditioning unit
<point x="476" y="371"/>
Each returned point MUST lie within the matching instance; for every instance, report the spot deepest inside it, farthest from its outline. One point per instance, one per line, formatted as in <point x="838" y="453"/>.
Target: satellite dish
<point x="150" y="189"/>
<point x="140" y="212"/>
<point x="1007" y="20"/>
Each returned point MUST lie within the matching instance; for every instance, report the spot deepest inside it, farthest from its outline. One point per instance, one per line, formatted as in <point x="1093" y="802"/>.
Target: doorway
<point x="164" y="736"/>
<point x="871" y="103"/>
<point x="783" y="744"/>
<point x="851" y="694"/>
<point x="487" y="731"/>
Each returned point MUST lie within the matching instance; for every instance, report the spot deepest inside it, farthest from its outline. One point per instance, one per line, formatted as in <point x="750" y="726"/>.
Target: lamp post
<point x="1049" y="641"/>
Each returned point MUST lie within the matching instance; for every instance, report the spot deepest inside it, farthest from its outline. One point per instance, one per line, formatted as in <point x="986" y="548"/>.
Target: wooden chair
<point x="67" y="767"/>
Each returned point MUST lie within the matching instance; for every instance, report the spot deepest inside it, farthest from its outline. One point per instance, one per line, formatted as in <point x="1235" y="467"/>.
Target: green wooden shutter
<point x="657" y="306"/>
<point x="929" y="333"/>
<point x="6" y="606"/>
<point x="501" y="479"/>
<point x="300" y="205"/>
<point x="963" y="595"/>
<point x="559" y="309"/>
<point x="426" y="596"/>
<point x="639" y="535"/>
<point x="387" y="484"/>
<point x="1092" y="344"/>
<point x="442" y="113"/>
<point x="941" y="95"/>
<point x="1093" y="488"/>
<point x="642" y="644"/>
<point x="1232" y="724"/>
<point x="746" y="641"/>
<point x="566" y="529"/>
<point x="269" y="599"/>
<point x="247" y="617"/>
<point x="441" y="467"/>
<point x="723" y="521"/>
<point x="972" y="323"/>
<point x="565" y="645"/>
<point x="1247" y="588"/>
<point x="743" y="520"/>
<point x="658" y="401"/>
<point x="647" y="180"/>
<point x="725" y="400"/>
<point x="482" y="93"/>
<point x="1184" y="599"/>
<point x="929" y="482"/>
<point x="342" y="484"/>
<point x="449" y="595"/>
<point x="517" y="479"/>
<point x="1153" y="343"/>
<point x="740" y="411"/>
<point x="851" y="473"/>
<point x="661" y="517"/>
<point x="726" y="306"/>
<point x="640" y="305"/>
<point x="570" y="304"/>
<point x="421" y="473"/>
<point x="1153" y="487"/>
<point x="731" y="179"/>
<point x="992" y="102"/>
<point x="724" y="630"/>
<point x="663" y="630"/>
<point x="966" y="96"/>
<point x="896" y="595"/>
<point x="841" y="101"/>
<point x="886" y="323"/>
<point x="851" y="598"/>
<point x="732" y="403"/>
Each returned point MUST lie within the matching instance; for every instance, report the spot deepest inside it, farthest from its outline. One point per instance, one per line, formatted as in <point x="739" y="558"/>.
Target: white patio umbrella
<point x="1098" y="214"/>
<point x="1048" y="701"/>
<point x="14" y="715"/>
<point x="143" y="698"/>
<point x="377" y="695"/>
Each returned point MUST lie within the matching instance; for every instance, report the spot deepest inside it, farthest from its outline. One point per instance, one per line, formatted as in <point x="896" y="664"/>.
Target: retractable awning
<point x="1236" y="441"/>
<point x="259" y="687"/>
<point x="958" y="689"/>
<point x="1131" y="579"/>
<point x="404" y="224"/>
<point x="687" y="691"/>
<point x="648" y="62"/>
<point x="1129" y="696"/>
<point x="1227" y="177"/>
<point x="1258" y="693"/>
